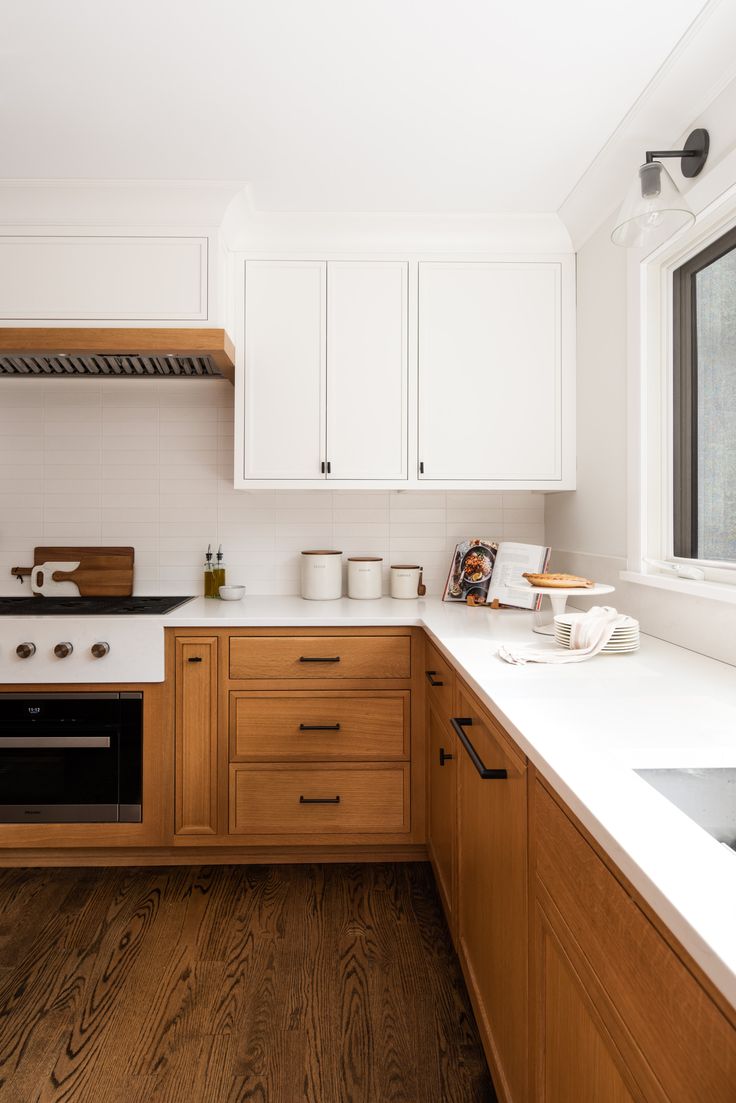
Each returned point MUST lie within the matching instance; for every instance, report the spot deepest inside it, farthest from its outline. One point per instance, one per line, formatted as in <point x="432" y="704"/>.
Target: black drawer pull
<point x="195" y="659"/>
<point x="319" y="727"/>
<point x="319" y="800"/>
<point x="431" y="678"/>
<point x="461" y="722"/>
<point x="445" y="757"/>
<point x="318" y="659"/>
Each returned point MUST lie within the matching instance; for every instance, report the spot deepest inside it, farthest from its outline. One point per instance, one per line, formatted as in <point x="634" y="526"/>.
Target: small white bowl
<point x="232" y="593"/>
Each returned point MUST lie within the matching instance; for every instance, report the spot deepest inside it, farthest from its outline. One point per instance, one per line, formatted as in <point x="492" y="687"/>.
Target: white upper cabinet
<point x="490" y="372"/>
<point x="71" y="279"/>
<point x="443" y="373"/>
<point x="366" y="370"/>
<point x="285" y="369"/>
<point x="324" y="373"/>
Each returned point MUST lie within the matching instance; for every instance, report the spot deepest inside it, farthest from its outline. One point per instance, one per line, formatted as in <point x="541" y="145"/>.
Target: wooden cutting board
<point x="102" y="572"/>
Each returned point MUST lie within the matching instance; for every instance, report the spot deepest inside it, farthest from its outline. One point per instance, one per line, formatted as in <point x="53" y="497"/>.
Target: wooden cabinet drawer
<point x="440" y="682"/>
<point x="319" y="725"/>
<point x="279" y="799"/>
<point x="319" y="657"/>
<point x="675" y="1037"/>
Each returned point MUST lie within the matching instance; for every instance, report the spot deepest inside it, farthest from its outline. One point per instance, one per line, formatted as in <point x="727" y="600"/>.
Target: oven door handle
<point x="40" y="742"/>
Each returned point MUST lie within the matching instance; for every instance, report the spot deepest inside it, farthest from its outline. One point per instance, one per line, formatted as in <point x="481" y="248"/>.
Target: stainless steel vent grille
<point x="110" y="364"/>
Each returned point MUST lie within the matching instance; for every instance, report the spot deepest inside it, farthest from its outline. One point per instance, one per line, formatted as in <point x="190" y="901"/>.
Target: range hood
<point x="122" y="353"/>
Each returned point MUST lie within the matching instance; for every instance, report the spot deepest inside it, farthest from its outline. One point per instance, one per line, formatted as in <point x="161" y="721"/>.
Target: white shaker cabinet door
<point x="366" y="370"/>
<point x="490" y="371"/>
<point x="285" y="364"/>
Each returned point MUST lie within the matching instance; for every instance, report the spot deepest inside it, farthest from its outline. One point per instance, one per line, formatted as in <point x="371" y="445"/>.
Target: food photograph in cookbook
<point x="471" y="570"/>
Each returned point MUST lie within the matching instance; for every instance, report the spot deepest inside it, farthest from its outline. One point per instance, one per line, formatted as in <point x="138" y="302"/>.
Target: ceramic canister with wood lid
<point x="406" y="580"/>
<point x="321" y="575"/>
<point x="364" y="577"/>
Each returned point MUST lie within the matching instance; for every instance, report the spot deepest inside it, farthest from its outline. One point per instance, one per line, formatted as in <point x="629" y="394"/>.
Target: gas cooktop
<point x="87" y="606"/>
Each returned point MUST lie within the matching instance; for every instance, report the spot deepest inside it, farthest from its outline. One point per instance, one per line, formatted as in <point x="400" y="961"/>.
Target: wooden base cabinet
<point x="196" y="735"/>
<point x="442" y="832"/>
<point x="578" y="1059"/>
<point x="619" y="1012"/>
<point x="492" y="920"/>
<point x="439" y="686"/>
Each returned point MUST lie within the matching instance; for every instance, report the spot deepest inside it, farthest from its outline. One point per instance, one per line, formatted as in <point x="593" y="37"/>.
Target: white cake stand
<point x="558" y="598"/>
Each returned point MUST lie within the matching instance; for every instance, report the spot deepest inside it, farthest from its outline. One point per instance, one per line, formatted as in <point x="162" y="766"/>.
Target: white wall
<point x="150" y="463"/>
<point x="587" y="529"/>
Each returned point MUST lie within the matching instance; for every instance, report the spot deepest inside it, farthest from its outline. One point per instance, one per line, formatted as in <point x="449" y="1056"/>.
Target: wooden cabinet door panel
<point x="492" y="914"/>
<point x="576" y="1059"/>
<point x="663" y="1013"/>
<point x="196" y="735"/>
<point x="443" y="766"/>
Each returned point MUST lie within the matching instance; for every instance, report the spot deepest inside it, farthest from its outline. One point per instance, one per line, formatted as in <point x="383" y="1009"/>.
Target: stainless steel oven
<point x="71" y="757"/>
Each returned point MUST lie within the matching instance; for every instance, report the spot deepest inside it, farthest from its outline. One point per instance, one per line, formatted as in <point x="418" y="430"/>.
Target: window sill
<point x="714" y="591"/>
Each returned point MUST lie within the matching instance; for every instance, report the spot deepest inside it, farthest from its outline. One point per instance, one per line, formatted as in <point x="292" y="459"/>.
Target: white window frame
<point x="650" y="399"/>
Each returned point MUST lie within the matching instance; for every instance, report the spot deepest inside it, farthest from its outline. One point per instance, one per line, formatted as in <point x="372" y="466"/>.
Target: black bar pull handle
<point x="195" y="659"/>
<point x="319" y="727"/>
<point x="459" y="723"/>
<point x="318" y="659"/>
<point x="431" y="678"/>
<point x="445" y="757"/>
<point x="319" y="800"/>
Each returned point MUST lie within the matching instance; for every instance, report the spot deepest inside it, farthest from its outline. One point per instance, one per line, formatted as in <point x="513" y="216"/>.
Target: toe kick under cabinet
<point x="307" y="742"/>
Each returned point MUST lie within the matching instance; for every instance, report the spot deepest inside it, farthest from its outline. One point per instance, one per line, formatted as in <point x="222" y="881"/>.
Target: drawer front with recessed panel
<point x="313" y="724"/>
<point x="319" y="799"/>
<point x="318" y="657"/>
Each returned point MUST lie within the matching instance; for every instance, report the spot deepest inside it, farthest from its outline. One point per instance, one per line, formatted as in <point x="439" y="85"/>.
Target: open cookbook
<point x="485" y="571"/>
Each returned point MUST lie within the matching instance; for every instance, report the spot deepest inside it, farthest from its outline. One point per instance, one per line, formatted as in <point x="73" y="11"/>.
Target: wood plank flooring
<point x="227" y="984"/>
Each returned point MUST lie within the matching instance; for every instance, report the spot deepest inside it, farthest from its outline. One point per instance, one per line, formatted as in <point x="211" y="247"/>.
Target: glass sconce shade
<point x="652" y="203"/>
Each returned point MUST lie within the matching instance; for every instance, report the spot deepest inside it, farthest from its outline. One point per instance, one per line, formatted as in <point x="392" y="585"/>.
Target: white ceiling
<point x="330" y="105"/>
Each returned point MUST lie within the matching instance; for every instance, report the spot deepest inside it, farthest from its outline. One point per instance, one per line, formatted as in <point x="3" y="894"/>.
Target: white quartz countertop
<point x="586" y="727"/>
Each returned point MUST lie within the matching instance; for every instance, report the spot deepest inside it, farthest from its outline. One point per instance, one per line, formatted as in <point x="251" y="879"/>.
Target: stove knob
<point x="25" y="650"/>
<point x="62" y="650"/>
<point x="99" y="650"/>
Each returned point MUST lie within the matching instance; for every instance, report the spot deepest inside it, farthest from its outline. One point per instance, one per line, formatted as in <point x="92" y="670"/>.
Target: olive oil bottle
<point x="219" y="572"/>
<point x="210" y="590"/>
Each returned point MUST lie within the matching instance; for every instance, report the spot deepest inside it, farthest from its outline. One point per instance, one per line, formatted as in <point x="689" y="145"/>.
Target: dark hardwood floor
<point x="271" y="984"/>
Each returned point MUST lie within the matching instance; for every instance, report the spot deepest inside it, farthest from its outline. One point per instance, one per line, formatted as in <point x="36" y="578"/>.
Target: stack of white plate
<point x="625" y="635"/>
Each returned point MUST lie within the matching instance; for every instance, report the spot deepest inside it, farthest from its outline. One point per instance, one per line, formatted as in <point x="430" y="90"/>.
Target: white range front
<point x="135" y="649"/>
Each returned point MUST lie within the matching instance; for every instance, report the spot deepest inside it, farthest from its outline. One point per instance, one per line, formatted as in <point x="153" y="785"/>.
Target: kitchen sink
<point x="707" y="796"/>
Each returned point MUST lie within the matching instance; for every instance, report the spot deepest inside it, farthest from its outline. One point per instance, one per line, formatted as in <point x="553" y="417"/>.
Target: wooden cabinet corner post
<point x="196" y="752"/>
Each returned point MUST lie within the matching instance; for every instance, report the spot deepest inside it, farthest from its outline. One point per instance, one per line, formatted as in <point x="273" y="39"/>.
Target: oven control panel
<point x="34" y="650"/>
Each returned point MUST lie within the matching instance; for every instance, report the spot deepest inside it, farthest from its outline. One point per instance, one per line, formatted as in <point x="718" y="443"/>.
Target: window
<point x="704" y="439"/>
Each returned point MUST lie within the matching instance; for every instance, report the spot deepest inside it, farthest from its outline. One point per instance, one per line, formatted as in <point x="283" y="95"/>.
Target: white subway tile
<point x="476" y="516"/>
<point x="76" y="515"/>
<point x="417" y="499"/>
<point x="417" y="530"/>
<point x="67" y="532"/>
<point x="524" y="533"/>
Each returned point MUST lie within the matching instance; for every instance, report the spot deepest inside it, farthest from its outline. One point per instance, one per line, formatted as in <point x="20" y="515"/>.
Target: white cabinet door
<point x="366" y="370"/>
<point x="284" y="385"/>
<point x="490" y="371"/>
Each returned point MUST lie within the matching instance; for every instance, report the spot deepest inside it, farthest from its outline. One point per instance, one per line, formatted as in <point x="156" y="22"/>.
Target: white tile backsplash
<point x="149" y="463"/>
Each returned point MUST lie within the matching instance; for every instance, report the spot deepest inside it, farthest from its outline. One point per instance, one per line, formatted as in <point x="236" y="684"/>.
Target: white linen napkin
<point x="588" y="636"/>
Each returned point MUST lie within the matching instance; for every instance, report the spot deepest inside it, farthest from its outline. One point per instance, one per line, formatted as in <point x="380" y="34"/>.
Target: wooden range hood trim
<point x="145" y="342"/>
